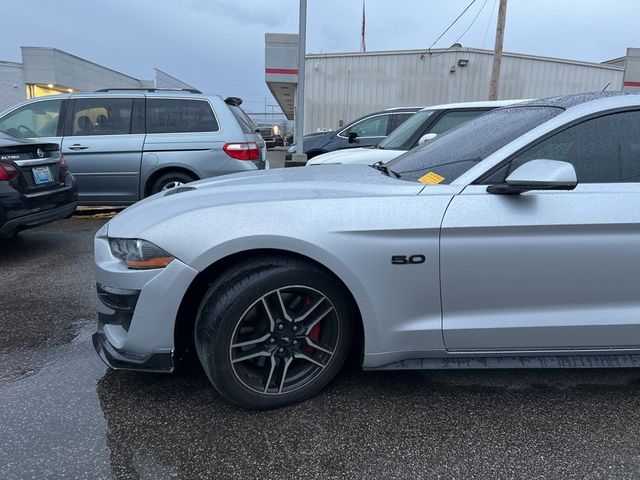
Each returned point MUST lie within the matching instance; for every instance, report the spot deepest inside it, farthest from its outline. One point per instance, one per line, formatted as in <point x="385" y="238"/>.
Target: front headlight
<point x="292" y="148"/>
<point x="140" y="254"/>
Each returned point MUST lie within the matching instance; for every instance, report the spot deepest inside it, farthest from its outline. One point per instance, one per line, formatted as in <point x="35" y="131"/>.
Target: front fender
<point x="305" y="249"/>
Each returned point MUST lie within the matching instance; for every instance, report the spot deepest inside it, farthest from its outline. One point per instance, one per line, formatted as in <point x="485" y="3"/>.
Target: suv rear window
<point x="245" y="122"/>
<point x="167" y="115"/>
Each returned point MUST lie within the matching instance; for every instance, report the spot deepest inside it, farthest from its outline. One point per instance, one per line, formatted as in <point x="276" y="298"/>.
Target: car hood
<point x="360" y="156"/>
<point x="280" y="188"/>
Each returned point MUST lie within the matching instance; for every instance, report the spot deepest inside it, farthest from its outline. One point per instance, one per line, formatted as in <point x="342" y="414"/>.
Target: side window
<point x="102" y="116"/>
<point x="453" y="119"/>
<point x="37" y="119"/>
<point x="398" y="119"/>
<point x="602" y="150"/>
<point x="166" y="115"/>
<point x="370" y="127"/>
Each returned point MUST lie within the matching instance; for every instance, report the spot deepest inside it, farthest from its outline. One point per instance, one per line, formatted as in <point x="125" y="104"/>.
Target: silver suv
<point x="124" y="145"/>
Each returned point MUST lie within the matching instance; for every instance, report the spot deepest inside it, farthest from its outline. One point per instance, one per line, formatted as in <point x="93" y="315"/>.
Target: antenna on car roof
<point x="190" y="90"/>
<point x="235" y="101"/>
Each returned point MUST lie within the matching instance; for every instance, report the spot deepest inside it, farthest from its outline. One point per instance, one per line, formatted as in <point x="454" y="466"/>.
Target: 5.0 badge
<point x="407" y="259"/>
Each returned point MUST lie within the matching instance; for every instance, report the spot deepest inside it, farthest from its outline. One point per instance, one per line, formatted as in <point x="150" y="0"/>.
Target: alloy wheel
<point x="171" y="184"/>
<point x="284" y="340"/>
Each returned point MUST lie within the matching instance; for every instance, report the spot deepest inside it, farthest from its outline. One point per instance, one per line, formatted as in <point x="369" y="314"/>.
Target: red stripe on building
<point x="282" y="71"/>
<point x="632" y="84"/>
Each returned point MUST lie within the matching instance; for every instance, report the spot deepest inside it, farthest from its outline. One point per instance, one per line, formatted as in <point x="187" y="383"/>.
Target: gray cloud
<point x="218" y="45"/>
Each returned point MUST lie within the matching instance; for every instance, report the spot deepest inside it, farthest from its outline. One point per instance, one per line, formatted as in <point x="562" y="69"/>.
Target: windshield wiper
<point x="384" y="169"/>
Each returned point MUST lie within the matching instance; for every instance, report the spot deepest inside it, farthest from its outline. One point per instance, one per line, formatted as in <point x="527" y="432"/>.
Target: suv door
<point x="103" y="147"/>
<point x="370" y="131"/>
<point x="549" y="270"/>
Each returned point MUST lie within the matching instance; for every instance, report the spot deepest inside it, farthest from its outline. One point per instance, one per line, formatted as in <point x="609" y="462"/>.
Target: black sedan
<point x="35" y="185"/>
<point x="366" y="131"/>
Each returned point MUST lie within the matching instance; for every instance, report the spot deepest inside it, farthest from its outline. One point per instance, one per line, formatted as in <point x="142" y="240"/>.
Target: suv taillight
<point x="8" y="171"/>
<point x="242" y="150"/>
<point x="63" y="164"/>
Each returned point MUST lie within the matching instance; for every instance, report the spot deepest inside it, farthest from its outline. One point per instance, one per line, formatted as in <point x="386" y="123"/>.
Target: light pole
<point x="497" y="54"/>
<point x="302" y="34"/>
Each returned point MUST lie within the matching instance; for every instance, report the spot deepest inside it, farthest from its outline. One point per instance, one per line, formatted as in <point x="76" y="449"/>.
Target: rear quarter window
<point x="243" y="119"/>
<point x="167" y="115"/>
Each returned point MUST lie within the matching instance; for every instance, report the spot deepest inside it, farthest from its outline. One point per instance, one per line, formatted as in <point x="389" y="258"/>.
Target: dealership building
<point x="340" y="87"/>
<point x="48" y="71"/>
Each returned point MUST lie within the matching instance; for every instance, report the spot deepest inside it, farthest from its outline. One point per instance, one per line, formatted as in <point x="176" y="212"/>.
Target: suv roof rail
<point x="235" y="101"/>
<point x="190" y="90"/>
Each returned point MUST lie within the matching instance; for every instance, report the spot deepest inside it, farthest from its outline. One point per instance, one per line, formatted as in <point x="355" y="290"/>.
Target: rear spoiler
<point x="235" y="101"/>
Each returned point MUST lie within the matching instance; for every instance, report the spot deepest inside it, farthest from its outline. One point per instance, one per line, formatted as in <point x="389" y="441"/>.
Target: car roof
<point x="400" y="109"/>
<point x="569" y="101"/>
<point x="139" y="93"/>
<point x="381" y="112"/>
<point x="482" y="104"/>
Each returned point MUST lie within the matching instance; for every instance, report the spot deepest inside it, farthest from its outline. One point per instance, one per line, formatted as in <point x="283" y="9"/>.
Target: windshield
<point x="453" y="153"/>
<point x="402" y="137"/>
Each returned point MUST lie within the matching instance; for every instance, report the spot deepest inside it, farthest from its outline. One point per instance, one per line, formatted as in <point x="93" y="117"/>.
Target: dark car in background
<point x="268" y="136"/>
<point x="35" y="185"/>
<point x="364" y="132"/>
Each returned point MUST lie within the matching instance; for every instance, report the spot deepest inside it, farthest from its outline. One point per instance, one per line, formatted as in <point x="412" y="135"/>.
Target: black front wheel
<point x="273" y="332"/>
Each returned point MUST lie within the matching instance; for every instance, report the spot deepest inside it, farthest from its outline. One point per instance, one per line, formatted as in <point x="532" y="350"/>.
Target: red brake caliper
<point x="314" y="334"/>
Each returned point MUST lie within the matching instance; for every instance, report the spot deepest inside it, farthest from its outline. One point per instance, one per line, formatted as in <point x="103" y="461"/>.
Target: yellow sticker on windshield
<point x="431" y="178"/>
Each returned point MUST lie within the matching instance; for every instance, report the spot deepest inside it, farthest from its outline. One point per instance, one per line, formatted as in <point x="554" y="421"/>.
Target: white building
<point x="341" y="87"/>
<point x="48" y="71"/>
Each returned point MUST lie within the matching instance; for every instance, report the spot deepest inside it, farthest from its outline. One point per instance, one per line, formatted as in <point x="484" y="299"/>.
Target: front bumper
<point x="161" y="362"/>
<point x="19" y="211"/>
<point x="137" y="311"/>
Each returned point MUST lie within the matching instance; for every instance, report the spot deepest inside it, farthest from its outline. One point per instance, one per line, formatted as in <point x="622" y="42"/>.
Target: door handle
<point x="77" y="146"/>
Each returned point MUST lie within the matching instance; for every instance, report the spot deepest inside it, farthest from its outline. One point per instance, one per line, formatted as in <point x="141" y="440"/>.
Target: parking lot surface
<point x="64" y="415"/>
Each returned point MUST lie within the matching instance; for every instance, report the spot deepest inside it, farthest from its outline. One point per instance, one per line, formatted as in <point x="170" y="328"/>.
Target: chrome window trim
<point x="339" y="134"/>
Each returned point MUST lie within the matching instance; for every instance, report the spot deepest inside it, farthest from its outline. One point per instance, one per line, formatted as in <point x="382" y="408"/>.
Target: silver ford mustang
<point x="510" y="241"/>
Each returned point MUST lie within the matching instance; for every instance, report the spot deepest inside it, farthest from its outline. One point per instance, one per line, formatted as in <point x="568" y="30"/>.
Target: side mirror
<point x="352" y="137"/>
<point x="426" y="137"/>
<point x="538" y="175"/>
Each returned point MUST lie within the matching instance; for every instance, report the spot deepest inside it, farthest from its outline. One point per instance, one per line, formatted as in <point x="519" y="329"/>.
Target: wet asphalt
<point x="63" y="414"/>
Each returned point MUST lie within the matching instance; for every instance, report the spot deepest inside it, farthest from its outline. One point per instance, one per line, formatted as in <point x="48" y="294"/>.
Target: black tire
<point x="166" y="180"/>
<point x="238" y="295"/>
<point x="71" y="214"/>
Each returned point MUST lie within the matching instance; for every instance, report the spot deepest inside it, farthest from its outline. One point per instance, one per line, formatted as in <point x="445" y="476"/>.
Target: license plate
<point x="42" y="175"/>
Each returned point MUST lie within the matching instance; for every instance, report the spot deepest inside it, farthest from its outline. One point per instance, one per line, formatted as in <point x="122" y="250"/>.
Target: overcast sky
<point x="218" y="45"/>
